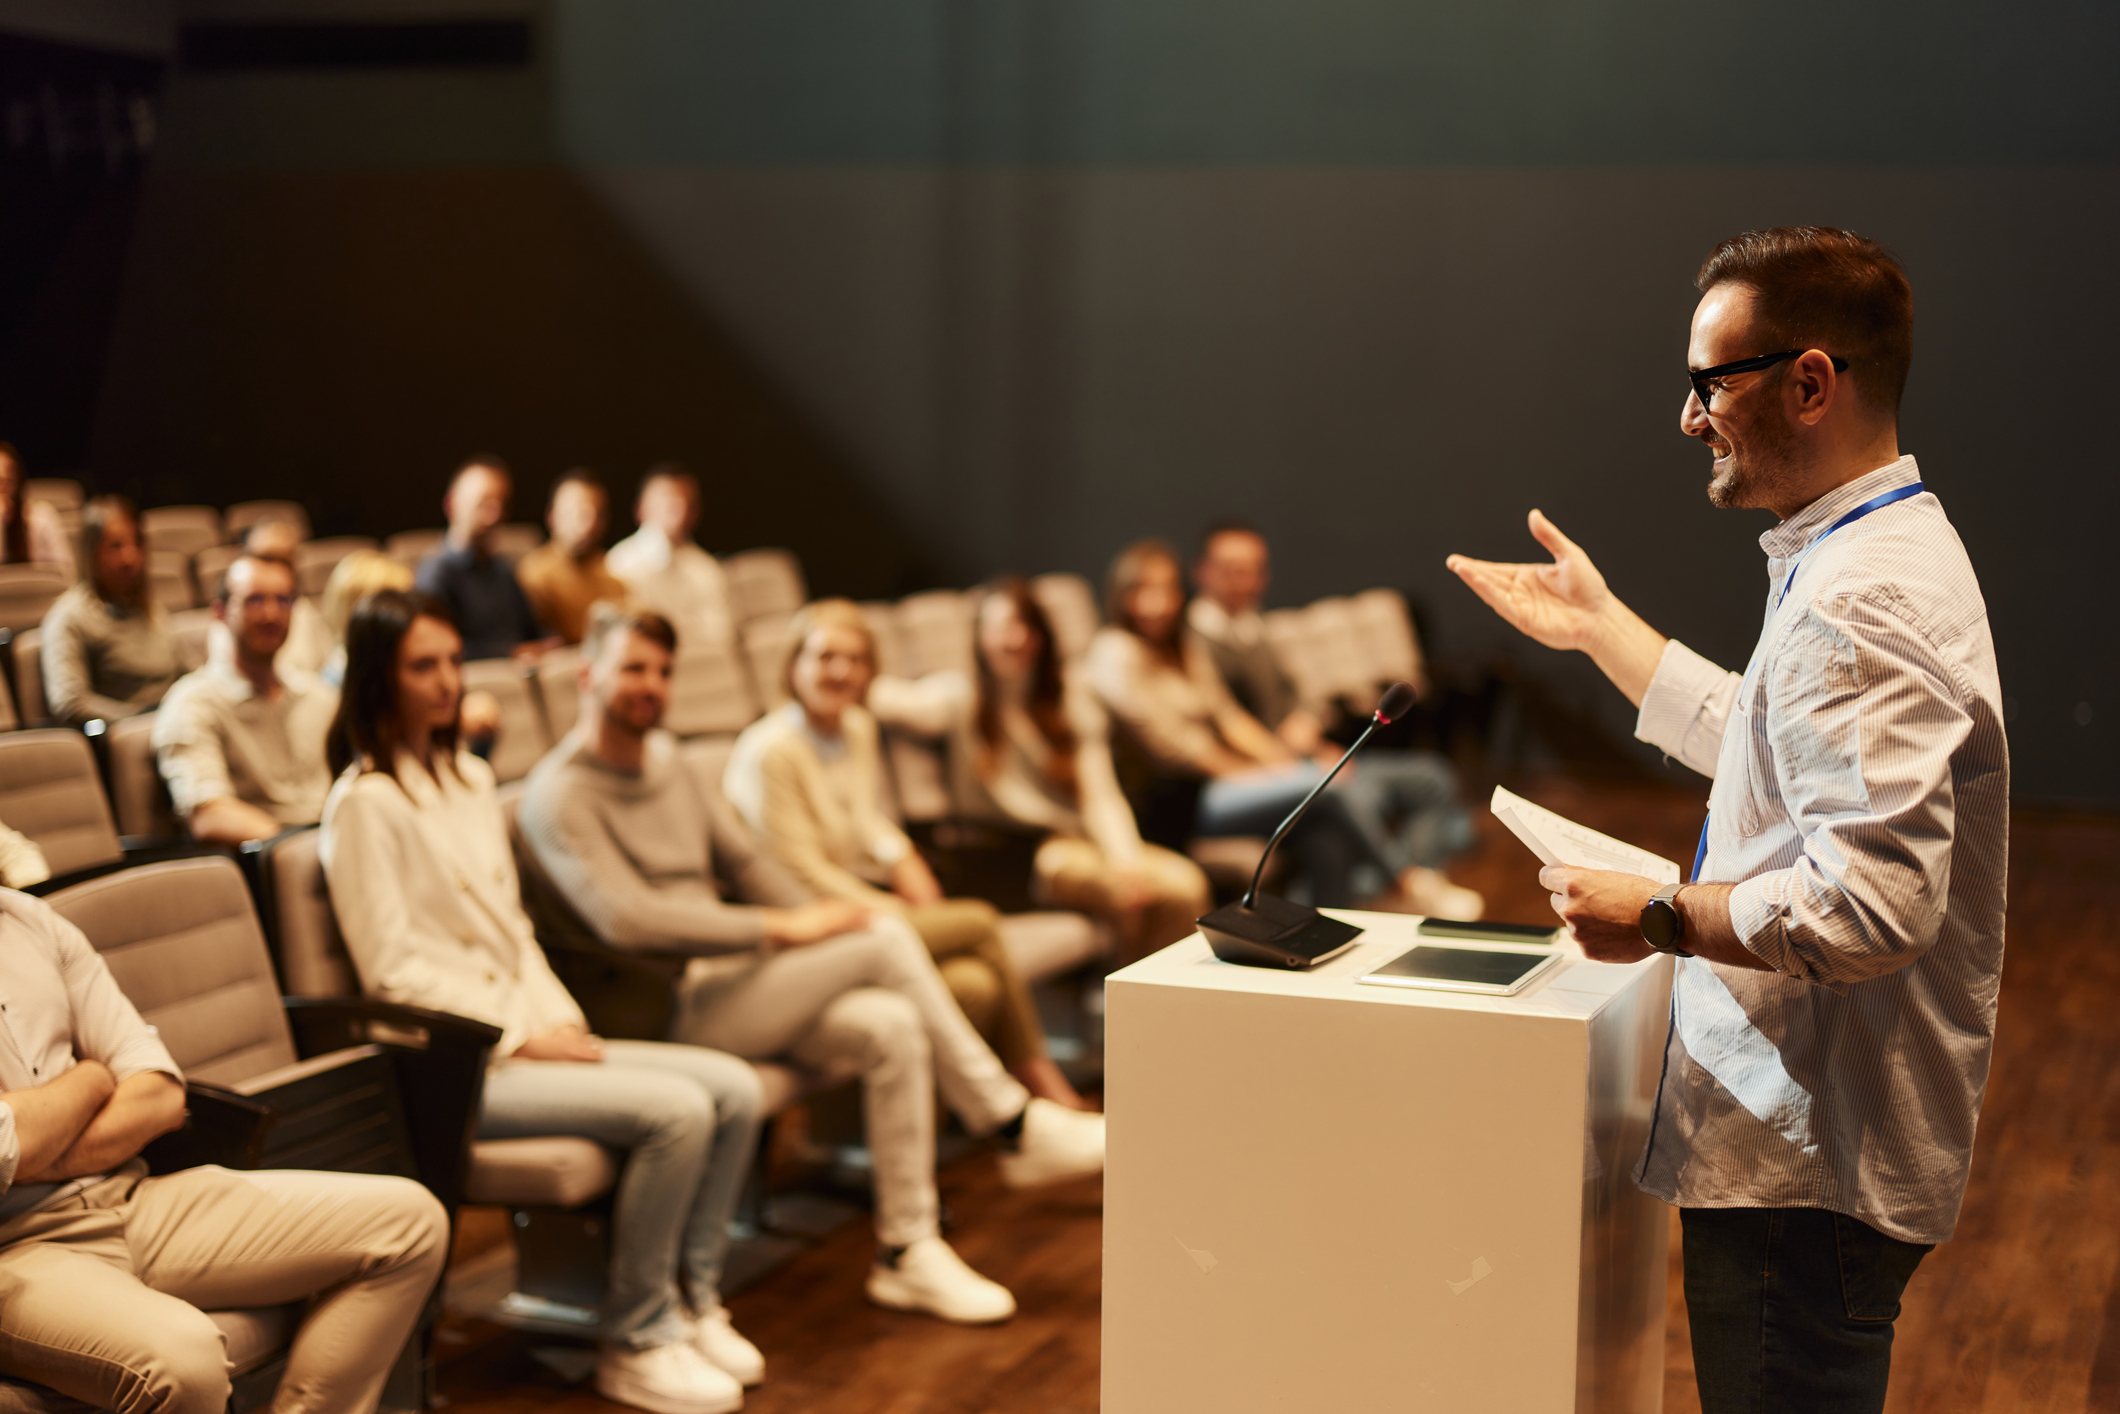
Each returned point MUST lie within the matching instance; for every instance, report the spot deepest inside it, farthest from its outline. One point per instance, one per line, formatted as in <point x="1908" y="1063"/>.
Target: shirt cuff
<point x="1759" y="914"/>
<point x="1680" y="692"/>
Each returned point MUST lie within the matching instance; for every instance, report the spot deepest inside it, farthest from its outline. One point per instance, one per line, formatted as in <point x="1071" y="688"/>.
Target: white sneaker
<point x="1434" y="896"/>
<point x="670" y="1379"/>
<point x="715" y="1337"/>
<point x="1057" y="1144"/>
<point x="929" y="1276"/>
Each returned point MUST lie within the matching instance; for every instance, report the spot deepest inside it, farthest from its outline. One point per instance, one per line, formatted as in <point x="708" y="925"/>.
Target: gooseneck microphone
<point x="1264" y="931"/>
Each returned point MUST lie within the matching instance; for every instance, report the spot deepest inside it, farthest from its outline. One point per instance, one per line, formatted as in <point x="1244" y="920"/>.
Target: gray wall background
<point x="1038" y="277"/>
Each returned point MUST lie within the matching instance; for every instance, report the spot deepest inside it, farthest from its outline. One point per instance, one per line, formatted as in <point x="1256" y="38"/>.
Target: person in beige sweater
<point x="809" y="778"/>
<point x="1028" y="746"/>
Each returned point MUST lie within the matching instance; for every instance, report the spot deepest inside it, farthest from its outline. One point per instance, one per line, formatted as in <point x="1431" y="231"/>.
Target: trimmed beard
<point x="1749" y="480"/>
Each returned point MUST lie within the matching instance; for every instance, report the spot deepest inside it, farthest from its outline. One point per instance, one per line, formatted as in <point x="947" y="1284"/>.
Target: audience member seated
<point x="1027" y="747"/>
<point x="663" y="568"/>
<point x="478" y="587"/>
<point x="628" y="835"/>
<point x="1415" y="789"/>
<point x="241" y="740"/>
<point x="360" y="574"/>
<point x="424" y="886"/>
<point x="809" y="778"/>
<point x="107" y="647"/>
<point x="1161" y="687"/>
<point x="21" y="862"/>
<point x="310" y="642"/>
<point x="566" y="574"/>
<point x="30" y="531"/>
<point x="104" y="1270"/>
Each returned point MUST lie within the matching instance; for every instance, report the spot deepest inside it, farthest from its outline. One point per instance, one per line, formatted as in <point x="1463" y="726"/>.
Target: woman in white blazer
<point x="416" y="853"/>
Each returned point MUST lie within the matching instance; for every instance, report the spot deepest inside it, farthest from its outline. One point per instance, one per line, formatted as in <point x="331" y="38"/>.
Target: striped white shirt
<point x="1861" y="806"/>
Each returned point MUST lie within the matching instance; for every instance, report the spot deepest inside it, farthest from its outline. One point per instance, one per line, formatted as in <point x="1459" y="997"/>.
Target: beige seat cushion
<point x="1045" y="945"/>
<point x="557" y="1171"/>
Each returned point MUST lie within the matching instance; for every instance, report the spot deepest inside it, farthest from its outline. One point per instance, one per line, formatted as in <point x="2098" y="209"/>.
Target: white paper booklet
<point x="1556" y="839"/>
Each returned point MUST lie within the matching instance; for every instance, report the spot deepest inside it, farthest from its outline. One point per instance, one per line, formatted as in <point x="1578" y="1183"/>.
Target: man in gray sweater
<point x="632" y="837"/>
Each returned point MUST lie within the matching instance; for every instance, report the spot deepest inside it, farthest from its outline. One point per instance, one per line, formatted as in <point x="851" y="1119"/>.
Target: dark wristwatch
<point x="1663" y="926"/>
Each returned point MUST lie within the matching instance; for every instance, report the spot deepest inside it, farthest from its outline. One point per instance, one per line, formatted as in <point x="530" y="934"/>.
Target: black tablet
<point x="1493" y="972"/>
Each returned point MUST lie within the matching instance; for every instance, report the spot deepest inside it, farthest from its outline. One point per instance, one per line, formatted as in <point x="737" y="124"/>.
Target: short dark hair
<point x="607" y="619"/>
<point x="294" y="579"/>
<point x="1824" y="288"/>
<point x="368" y="726"/>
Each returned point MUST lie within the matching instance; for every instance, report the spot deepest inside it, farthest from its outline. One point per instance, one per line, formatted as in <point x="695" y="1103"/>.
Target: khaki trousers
<point x="963" y="935"/>
<point x="103" y="1297"/>
<point x="870" y="1004"/>
<point x="1073" y="873"/>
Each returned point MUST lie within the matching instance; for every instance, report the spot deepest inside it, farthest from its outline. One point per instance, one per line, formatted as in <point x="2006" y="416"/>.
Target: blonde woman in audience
<point x="1027" y="746"/>
<point x="809" y="778"/>
<point x="107" y="647"/>
<point x="1160" y="684"/>
<point x="425" y="890"/>
<point x="360" y="574"/>
<point x="30" y="531"/>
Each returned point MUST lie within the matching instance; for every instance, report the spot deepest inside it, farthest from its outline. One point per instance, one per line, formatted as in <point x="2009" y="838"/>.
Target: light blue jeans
<point x="689" y="1119"/>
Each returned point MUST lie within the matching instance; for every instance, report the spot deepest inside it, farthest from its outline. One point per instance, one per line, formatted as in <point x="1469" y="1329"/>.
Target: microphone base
<point x="1275" y="933"/>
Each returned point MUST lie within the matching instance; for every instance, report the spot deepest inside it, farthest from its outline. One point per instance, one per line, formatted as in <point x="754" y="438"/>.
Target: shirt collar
<point x="231" y="682"/>
<point x="1799" y="530"/>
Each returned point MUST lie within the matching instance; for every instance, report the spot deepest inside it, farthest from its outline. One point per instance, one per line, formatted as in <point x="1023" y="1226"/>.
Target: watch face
<point x="1659" y="925"/>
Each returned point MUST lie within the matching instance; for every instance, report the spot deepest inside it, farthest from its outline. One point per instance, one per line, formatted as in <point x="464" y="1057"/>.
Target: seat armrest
<point x="220" y="1127"/>
<point x="440" y="1061"/>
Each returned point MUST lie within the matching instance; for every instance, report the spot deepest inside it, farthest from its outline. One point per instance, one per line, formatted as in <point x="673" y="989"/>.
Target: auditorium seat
<point x="245" y="514"/>
<point x="180" y="530"/>
<point x="1385" y="634"/>
<point x="9" y="719"/>
<point x="892" y="660"/>
<point x="409" y="547"/>
<point x="209" y="565"/>
<point x="54" y="490"/>
<point x="275" y="1082"/>
<point x="1071" y="606"/>
<point x="766" y="649"/>
<point x="558" y="691"/>
<point x="314" y="560"/>
<point x="27" y="592"/>
<point x="522" y="739"/>
<point x="50" y="791"/>
<point x="27" y="650"/>
<point x="192" y="629"/>
<point x="709" y="693"/>
<point x="139" y="797"/>
<point x="515" y="539"/>
<point x="169" y="581"/>
<point x="935" y="630"/>
<point x="764" y="583"/>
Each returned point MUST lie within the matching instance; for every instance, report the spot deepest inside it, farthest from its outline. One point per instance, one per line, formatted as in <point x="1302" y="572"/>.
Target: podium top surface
<point x="1577" y="989"/>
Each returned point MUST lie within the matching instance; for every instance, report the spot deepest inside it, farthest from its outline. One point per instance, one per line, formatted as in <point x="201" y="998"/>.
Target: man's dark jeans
<point x="1792" y="1309"/>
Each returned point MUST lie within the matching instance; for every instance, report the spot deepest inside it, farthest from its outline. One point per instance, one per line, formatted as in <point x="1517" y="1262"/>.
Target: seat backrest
<point x="935" y="629"/>
<point x="710" y="692"/>
<point x="192" y="631"/>
<point x="766" y="646"/>
<point x="51" y="791"/>
<point x="558" y="689"/>
<point x="139" y="796"/>
<point x="57" y="490"/>
<point x="1071" y="605"/>
<point x="27" y="592"/>
<point x="1335" y="640"/>
<point x="918" y="777"/>
<point x="314" y="560"/>
<point x="209" y="565"/>
<point x="1384" y="629"/>
<point x="245" y="514"/>
<point x="409" y="547"/>
<point x="522" y="738"/>
<point x="183" y="943"/>
<point x="891" y="657"/>
<point x="1288" y="634"/>
<point x="515" y="539"/>
<point x="169" y="579"/>
<point x="9" y="717"/>
<point x="312" y="953"/>
<point x="29" y="677"/>
<point x="763" y="582"/>
<point x="184" y="530"/>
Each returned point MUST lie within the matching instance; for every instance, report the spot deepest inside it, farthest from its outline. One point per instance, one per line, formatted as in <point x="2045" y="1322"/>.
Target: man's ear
<point x="1816" y="387"/>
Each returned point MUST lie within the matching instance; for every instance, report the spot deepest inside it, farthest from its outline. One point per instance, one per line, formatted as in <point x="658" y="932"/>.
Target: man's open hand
<point x="1557" y="604"/>
<point x="1603" y="910"/>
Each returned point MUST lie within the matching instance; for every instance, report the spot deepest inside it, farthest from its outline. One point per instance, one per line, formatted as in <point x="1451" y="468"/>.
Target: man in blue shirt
<point x="479" y="587"/>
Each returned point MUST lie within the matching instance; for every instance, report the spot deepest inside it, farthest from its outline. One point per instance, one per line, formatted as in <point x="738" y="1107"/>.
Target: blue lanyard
<point x="1875" y="503"/>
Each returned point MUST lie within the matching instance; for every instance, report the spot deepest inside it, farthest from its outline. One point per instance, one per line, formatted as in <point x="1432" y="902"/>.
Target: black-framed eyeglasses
<point x="1703" y="378"/>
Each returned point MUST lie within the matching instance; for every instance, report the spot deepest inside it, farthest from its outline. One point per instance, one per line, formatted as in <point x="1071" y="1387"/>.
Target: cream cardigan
<point x="816" y="803"/>
<point x="425" y="891"/>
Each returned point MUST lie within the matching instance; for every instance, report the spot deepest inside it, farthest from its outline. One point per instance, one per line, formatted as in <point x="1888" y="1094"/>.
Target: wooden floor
<point x="2020" y="1313"/>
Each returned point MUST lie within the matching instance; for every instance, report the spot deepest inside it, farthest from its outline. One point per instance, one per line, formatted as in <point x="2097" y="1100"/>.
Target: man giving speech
<point x="1840" y="943"/>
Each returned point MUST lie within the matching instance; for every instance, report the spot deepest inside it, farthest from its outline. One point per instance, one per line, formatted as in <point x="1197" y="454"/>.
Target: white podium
<point x="1326" y="1196"/>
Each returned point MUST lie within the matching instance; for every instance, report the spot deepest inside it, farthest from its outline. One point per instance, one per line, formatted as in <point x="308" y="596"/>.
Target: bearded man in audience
<point x="1406" y="801"/>
<point x="106" y="1273"/>
<point x="665" y="571"/>
<point x="479" y="587"/>
<point x="565" y="575"/>
<point x="241" y="740"/>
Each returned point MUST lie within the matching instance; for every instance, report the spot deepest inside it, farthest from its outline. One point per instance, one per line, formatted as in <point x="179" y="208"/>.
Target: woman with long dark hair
<point x="424" y="886"/>
<point x="1028" y="748"/>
